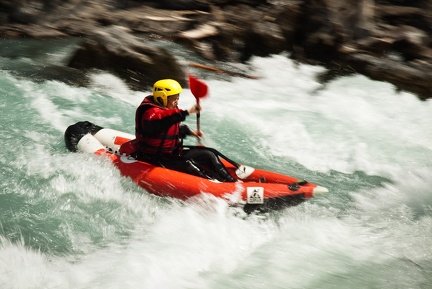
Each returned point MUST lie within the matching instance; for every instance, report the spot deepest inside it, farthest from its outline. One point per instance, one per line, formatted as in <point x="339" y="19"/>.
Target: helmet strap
<point x="160" y="101"/>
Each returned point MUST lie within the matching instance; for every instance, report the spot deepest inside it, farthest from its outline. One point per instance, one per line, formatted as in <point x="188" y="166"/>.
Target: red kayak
<point x="256" y="189"/>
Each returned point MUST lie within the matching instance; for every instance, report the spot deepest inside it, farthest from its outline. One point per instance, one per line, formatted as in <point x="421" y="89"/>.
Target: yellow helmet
<point x="164" y="88"/>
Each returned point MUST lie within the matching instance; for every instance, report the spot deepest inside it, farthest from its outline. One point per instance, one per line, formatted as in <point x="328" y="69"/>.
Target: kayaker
<point x="159" y="134"/>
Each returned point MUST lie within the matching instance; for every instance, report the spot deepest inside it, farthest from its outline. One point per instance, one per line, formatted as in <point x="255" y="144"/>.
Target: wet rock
<point x="114" y="49"/>
<point x="182" y="4"/>
<point x="237" y="33"/>
<point x="412" y="43"/>
<point x="414" y="77"/>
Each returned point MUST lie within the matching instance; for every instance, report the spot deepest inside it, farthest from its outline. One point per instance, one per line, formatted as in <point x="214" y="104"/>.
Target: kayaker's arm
<point x="156" y="120"/>
<point x="185" y="131"/>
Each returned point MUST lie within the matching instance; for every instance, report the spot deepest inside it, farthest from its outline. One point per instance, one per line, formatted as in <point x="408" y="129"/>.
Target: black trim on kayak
<point x="75" y="132"/>
<point x="216" y="152"/>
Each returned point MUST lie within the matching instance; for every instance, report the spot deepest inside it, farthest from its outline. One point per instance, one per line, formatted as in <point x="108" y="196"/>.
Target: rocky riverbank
<point x="381" y="39"/>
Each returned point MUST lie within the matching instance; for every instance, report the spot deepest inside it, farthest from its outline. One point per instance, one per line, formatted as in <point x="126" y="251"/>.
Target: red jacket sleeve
<point x="156" y="119"/>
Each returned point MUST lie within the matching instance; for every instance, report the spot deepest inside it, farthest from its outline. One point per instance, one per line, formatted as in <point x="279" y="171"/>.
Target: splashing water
<point x="72" y="221"/>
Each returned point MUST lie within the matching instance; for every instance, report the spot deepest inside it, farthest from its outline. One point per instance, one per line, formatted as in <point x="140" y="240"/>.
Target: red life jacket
<point x="165" y="138"/>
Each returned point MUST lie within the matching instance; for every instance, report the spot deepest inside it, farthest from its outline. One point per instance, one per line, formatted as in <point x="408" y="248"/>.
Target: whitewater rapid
<point x="72" y="221"/>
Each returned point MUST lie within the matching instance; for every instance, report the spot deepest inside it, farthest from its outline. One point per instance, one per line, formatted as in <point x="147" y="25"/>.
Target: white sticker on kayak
<point x="255" y="195"/>
<point x="244" y="171"/>
<point x="127" y="159"/>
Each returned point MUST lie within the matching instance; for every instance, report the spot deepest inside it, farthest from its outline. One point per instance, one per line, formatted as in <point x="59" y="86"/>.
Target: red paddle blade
<point x="198" y="87"/>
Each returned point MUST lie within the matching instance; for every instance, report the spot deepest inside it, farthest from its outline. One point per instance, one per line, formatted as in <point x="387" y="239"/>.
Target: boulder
<point x="115" y="50"/>
<point x="260" y="34"/>
<point x="413" y="77"/>
<point x="237" y="33"/>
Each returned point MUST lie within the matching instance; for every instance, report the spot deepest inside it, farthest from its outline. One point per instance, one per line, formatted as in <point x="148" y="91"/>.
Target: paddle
<point x="199" y="89"/>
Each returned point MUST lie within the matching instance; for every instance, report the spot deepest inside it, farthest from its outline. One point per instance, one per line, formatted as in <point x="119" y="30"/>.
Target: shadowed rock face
<point x="385" y="40"/>
<point x="114" y="49"/>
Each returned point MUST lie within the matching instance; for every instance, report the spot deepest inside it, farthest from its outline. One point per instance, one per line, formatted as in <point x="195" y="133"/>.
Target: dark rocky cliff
<point x="384" y="40"/>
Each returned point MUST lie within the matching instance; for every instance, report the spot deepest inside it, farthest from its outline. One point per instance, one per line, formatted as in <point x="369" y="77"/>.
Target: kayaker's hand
<point x="197" y="133"/>
<point x="194" y="109"/>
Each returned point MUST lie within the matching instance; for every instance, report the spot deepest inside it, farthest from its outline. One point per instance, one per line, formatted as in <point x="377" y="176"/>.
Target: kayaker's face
<point x="172" y="101"/>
